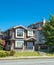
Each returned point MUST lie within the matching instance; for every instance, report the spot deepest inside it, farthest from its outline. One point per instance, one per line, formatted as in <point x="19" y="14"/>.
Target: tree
<point x="48" y="31"/>
<point x="2" y="43"/>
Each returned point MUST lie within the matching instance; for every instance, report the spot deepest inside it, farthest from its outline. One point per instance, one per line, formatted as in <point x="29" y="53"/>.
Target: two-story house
<point x="20" y="38"/>
<point x="40" y="42"/>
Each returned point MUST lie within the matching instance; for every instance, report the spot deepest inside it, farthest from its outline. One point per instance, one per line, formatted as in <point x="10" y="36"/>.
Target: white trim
<point x="44" y="21"/>
<point x="18" y="46"/>
<point x="18" y="36"/>
<point x="29" y="32"/>
<point x="19" y="26"/>
<point x="31" y="38"/>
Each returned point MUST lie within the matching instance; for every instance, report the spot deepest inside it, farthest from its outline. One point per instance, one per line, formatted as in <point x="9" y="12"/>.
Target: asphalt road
<point x="28" y="62"/>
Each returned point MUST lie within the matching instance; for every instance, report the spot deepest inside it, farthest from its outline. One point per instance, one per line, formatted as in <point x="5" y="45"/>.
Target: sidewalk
<point x="26" y="57"/>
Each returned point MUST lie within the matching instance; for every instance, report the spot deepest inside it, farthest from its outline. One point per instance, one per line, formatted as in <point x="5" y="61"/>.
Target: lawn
<point x="49" y="54"/>
<point x="35" y="53"/>
<point x="27" y="54"/>
<point x="24" y="53"/>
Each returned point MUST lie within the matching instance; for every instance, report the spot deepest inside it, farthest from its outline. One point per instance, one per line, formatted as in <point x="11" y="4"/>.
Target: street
<point x="28" y="62"/>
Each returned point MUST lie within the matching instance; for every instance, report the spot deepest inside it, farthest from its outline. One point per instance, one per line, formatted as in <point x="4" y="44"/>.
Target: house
<point x="22" y="38"/>
<point x="1" y="35"/>
<point x="40" y="42"/>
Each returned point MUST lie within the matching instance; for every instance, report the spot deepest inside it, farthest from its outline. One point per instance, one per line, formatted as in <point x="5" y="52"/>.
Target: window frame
<point x="19" y="36"/>
<point x="29" y="31"/>
<point x="18" y="43"/>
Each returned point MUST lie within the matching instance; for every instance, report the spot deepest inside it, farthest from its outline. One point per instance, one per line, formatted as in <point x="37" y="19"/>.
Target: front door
<point x="29" y="45"/>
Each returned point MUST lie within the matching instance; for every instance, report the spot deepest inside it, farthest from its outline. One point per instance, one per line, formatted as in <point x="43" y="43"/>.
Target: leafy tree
<point x="2" y="43"/>
<point x="48" y="31"/>
<point x="1" y="46"/>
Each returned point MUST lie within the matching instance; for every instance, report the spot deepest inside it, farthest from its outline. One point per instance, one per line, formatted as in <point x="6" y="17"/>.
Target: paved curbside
<point x="27" y="57"/>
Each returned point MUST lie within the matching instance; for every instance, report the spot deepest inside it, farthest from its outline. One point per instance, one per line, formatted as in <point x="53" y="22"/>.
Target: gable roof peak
<point x="20" y="26"/>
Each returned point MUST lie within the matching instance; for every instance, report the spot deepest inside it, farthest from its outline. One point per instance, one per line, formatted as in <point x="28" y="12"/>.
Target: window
<point x="40" y="24"/>
<point x="1" y="36"/>
<point x="10" y="33"/>
<point x="19" y="44"/>
<point x="30" y="33"/>
<point x="19" y="33"/>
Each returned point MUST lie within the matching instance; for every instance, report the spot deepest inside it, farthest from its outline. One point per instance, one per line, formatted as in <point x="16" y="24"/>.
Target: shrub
<point x="1" y="47"/>
<point x="4" y="53"/>
<point x="52" y="50"/>
<point x="7" y="53"/>
<point x="12" y="52"/>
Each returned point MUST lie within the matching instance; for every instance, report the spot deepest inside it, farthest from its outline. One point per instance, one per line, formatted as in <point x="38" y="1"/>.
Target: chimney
<point x="44" y="21"/>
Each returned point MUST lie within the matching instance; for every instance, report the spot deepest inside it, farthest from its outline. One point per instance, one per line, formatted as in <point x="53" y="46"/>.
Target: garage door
<point x="29" y="45"/>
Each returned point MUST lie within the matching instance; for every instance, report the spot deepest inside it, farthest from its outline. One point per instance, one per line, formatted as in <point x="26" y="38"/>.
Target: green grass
<point x="27" y="54"/>
<point x="17" y="54"/>
<point x="49" y="54"/>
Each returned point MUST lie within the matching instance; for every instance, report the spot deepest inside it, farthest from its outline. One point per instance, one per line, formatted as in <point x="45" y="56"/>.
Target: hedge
<point x="6" y="53"/>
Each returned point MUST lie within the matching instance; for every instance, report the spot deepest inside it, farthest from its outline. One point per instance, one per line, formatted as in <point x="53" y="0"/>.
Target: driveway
<point x="28" y="62"/>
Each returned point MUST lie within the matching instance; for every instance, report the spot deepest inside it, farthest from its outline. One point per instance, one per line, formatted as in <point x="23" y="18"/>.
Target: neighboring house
<point x="20" y="38"/>
<point x="40" y="42"/>
<point x="1" y="35"/>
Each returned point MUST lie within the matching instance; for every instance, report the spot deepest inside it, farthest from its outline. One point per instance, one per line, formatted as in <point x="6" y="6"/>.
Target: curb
<point x="29" y="57"/>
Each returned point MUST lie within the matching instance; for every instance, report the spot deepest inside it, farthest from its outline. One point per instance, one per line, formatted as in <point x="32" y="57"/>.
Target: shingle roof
<point x="35" y="24"/>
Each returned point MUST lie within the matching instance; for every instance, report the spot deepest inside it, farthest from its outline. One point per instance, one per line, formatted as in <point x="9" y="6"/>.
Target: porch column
<point x="33" y="47"/>
<point x="38" y="48"/>
<point x="12" y="45"/>
<point x="23" y="47"/>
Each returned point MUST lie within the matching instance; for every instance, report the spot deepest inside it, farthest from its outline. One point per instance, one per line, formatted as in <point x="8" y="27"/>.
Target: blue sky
<point x="24" y="12"/>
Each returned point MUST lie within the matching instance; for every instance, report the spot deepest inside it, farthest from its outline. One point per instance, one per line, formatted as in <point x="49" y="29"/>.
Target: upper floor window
<point x="30" y="32"/>
<point x="1" y="36"/>
<point x="19" y="33"/>
<point x="40" y="24"/>
<point x="10" y="33"/>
